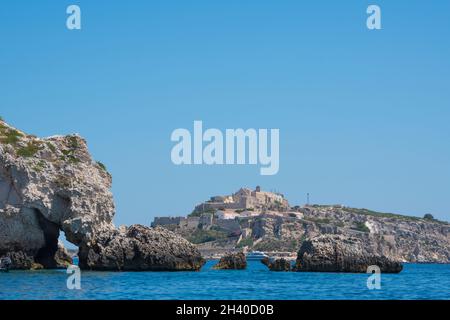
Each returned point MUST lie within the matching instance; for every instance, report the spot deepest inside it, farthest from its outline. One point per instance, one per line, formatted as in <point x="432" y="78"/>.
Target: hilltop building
<point x="244" y="200"/>
<point x="225" y="211"/>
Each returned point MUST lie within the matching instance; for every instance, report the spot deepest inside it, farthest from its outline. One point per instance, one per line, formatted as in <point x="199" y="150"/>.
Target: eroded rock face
<point x="20" y="260"/>
<point x="338" y="253"/>
<point x="139" y="248"/>
<point x="277" y="264"/>
<point x="52" y="185"/>
<point x="232" y="261"/>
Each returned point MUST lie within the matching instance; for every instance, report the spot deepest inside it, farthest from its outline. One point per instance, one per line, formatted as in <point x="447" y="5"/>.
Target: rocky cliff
<point x="52" y="185"/>
<point x="398" y="237"/>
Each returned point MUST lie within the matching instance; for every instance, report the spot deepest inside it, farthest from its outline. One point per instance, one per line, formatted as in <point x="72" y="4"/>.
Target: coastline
<point x="417" y="281"/>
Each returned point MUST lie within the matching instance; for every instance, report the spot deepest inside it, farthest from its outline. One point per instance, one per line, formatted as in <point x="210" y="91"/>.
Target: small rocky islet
<point x="334" y="253"/>
<point x="51" y="185"/>
<point x="280" y="264"/>
<point x="339" y="253"/>
<point x="232" y="261"/>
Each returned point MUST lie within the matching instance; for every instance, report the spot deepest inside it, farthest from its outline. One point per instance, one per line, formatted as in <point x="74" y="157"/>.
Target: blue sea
<point x="416" y="281"/>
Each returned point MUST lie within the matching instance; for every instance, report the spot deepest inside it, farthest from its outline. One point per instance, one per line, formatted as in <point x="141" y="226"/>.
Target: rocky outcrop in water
<point x="139" y="248"/>
<point x="232" y="261"/>
<point x="277" y="264"/>
<point x="337" y="253"/>
<point x="52" y="185"/>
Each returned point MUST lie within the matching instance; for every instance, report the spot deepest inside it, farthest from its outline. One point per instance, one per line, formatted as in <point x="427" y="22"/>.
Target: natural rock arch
<point x="53" y="184"/>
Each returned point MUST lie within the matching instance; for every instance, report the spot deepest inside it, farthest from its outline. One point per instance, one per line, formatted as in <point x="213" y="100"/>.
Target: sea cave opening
<point x="49" y="256"/>
<point x="46" y="254"/>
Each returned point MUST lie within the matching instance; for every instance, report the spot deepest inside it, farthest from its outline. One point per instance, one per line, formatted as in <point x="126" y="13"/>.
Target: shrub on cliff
<point x="29" y="150"/>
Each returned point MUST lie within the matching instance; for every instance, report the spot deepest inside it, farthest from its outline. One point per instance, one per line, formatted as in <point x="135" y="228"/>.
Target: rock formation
<point x="337" y="253"/>
<point x="52" y="185"/>
<point x="277" y="264"/>
<point x="398" y="237"/>
<point x="139" y="248"/>
<point x="234" y="261"/>
<point x="62" y="257"/>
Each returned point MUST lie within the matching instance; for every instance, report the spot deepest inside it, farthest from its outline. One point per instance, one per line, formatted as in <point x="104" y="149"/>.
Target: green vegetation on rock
<point x="51" y="146"/>
<point x="69" y="154"/>
<point x="29" y="150"/>
<point x="202" y="236"/>
<point x="199" y="213"/>
<point x="73" y="142"/>
<point x="361" y="226"/>
<point x="40" y="166"/>
<point x="8" y="135"/>
<point x="271" y="245"/>
<point x="102" y="166"/>
<point x="379" y="214"/>
<point x="247" y="242"/>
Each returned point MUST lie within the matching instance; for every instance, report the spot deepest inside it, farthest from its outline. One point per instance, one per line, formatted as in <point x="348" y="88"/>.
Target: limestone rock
<point x="53" y="184"/>
<point x="139" y="248"/>
<point x="338" y="253"/>
<point x="19" y="260"/>
<point x="397" y="237"/>
<point x="62" y="257"/>
<point x="277" y="264"/>
<point x="232" y="261"/>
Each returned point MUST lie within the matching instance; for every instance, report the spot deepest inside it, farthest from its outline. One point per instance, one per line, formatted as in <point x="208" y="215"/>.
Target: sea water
<point x="416" y="281"/>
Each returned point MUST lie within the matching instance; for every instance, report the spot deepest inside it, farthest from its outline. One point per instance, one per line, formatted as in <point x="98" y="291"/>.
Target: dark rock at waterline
<point x="338" y="253"/>
<point x="139" y="248"/>
<point x="5" y="263"/>
<point x="232" y="261"/>
<point x="62" y="257"/>
<point x="19" y="260"/>
<point x="277" y="264"/>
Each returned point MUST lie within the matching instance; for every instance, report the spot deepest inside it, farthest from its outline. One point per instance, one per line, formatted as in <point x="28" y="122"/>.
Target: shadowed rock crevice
<point x="46" y="255"/>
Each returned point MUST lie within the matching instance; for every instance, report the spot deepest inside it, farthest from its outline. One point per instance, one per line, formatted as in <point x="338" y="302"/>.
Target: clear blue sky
<point x="363" y="115"/>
